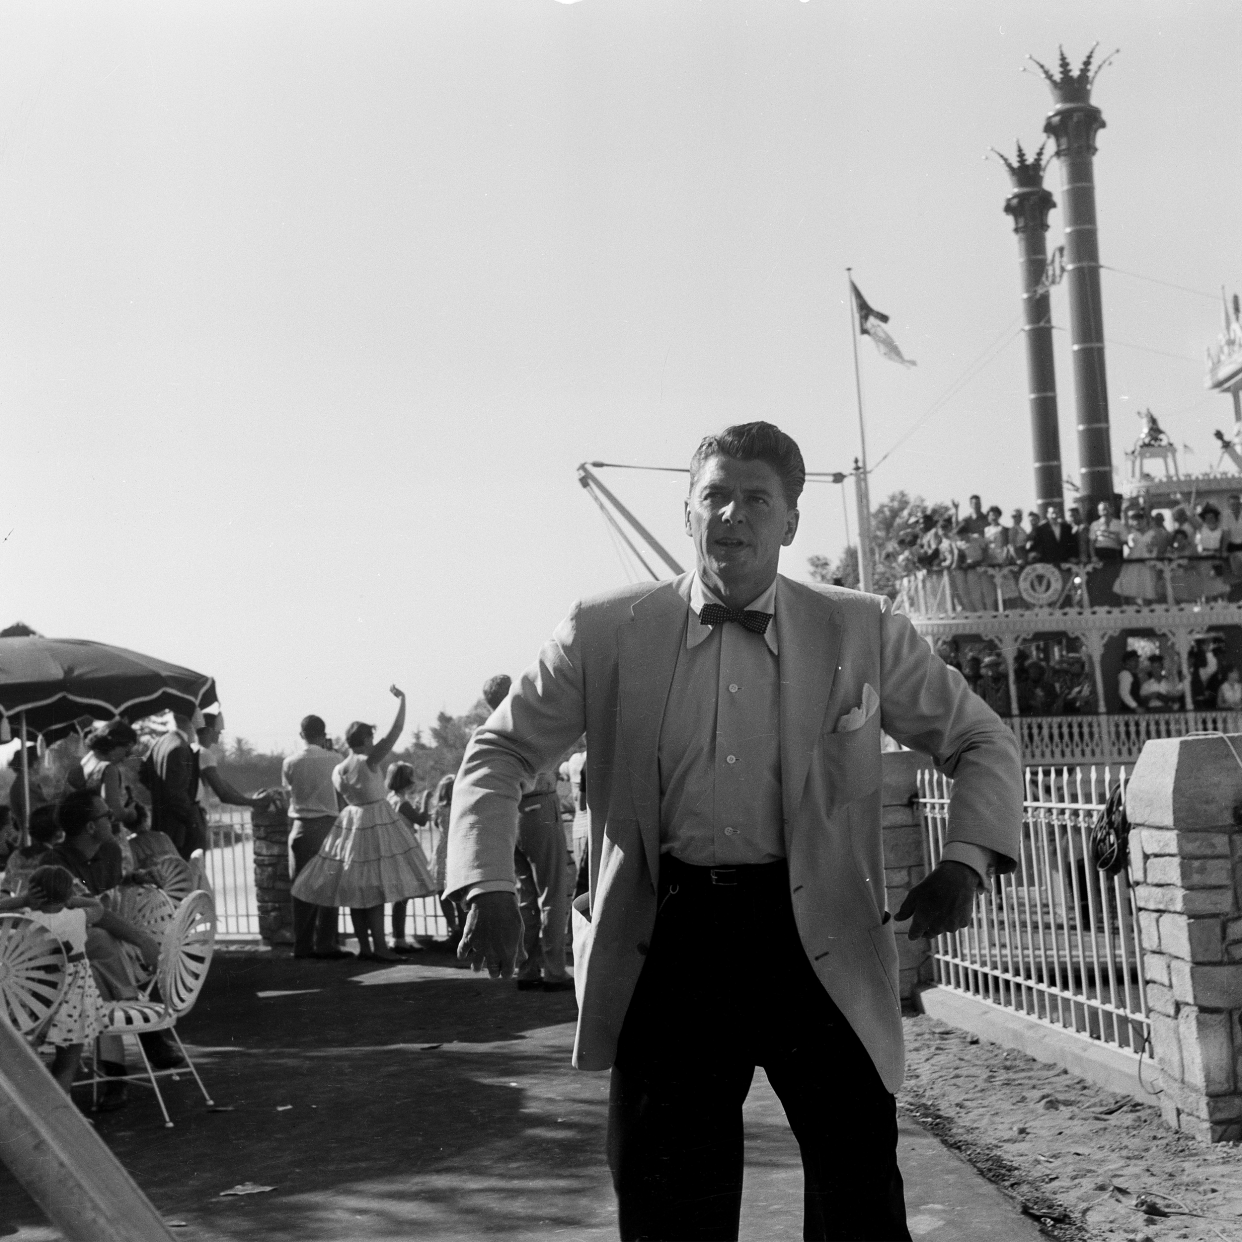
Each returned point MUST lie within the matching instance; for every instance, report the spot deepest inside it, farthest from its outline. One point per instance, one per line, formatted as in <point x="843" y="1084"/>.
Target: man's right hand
<point x="492" y="934"/>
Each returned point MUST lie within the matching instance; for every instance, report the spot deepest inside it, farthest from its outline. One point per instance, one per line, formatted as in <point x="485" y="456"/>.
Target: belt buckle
<point x="725" y="877"/>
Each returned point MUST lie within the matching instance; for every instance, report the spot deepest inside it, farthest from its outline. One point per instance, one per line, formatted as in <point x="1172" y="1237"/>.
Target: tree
<point x="896" y="525"/>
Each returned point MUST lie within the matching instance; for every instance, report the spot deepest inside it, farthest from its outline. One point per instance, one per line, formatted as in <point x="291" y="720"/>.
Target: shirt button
<point x="731" y="759"/>
<point x="730" y="831"/>
<point x="733" y="688"/>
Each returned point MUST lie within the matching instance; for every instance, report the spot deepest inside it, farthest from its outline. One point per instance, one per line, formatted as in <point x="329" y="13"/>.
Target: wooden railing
<point x="1109" y="738"/>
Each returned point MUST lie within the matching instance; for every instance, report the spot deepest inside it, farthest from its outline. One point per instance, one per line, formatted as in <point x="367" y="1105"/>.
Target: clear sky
<point x="309" y="310"/>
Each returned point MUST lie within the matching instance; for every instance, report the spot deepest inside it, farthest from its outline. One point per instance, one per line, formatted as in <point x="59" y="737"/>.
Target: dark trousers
<point x="314" y="927"/>
<point x="543" y="884"/>
<point x="727" y="986"/>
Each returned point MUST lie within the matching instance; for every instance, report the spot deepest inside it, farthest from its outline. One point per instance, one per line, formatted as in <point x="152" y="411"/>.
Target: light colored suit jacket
<point x="607" y="671"/>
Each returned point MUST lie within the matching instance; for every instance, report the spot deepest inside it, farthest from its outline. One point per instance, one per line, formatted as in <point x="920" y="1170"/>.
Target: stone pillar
<point x="271" y="875"/>
<point x="1184" y="803"/>
<point x="905" y="856"/>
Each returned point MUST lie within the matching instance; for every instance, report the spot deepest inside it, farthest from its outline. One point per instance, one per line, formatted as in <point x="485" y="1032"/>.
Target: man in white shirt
<point x="1128" y="683"/>
<point x="307" y="778"/>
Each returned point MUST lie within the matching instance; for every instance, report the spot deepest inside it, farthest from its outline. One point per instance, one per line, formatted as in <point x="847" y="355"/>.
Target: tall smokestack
<point x="1029" y="205"/>
<point x="1073" y="124"/>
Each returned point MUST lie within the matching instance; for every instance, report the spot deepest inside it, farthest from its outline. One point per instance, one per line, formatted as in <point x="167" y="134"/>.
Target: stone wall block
<point x="903" y="847"/>
<point x="1188" y="845"/>
<point x="1194" y="901"/>
<point x="1149" y="928"/>
<point x="1186" y="784"/>
<point x="1166" y="1044"/>
<point x="1189" y="872"/>
<point x="1207" y="1055"/>
<point x="1160" y="1000"/>
<point x="1194" y="940"/>
<point x="1156" y="969"/>
<point x="1213" y="987"/>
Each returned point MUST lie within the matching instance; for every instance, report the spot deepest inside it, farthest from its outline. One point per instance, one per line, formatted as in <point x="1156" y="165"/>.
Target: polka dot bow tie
<point x="752" y="620"/>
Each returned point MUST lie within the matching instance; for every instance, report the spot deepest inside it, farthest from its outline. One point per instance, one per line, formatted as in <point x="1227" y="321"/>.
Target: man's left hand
<point x="941" y="903"/>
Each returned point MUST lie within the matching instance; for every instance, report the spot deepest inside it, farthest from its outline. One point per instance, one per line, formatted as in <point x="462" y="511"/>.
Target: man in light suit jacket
<point x="736" y="912"/>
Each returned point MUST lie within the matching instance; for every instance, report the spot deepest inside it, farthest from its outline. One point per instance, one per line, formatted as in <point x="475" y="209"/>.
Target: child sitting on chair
<point x="50" y="901"/>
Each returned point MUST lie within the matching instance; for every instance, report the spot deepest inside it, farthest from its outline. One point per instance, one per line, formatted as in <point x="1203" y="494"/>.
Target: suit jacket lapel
<point x="647" y="657"/>
<point x="810" y="642"/>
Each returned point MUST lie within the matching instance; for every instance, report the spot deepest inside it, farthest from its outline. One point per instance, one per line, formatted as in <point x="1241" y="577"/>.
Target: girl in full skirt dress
<point x="371" y="856"/>
<point x="50" y="901"/>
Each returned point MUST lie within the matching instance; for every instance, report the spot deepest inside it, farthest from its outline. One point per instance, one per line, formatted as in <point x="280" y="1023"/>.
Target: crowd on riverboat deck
<point x="975" y="563"/>
<point x="1052" y="679"/>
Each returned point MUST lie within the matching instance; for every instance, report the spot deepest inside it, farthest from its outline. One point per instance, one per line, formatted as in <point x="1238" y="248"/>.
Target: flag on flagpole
<point x="870" y="323"/>
<point x="1054" y="271"/>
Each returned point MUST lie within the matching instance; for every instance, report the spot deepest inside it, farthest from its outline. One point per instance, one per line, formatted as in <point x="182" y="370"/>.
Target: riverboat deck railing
<point x="1116" y="738"/>
<point x="1073" y="586"/>
<point x="1056" y="940"/>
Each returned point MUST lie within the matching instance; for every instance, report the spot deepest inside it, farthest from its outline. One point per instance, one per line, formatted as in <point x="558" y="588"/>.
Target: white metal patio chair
<point x="185" y="956"/>
<point x="174" y="875"/>
<point x="34" y="972"/>
<point x="150" y="909"/>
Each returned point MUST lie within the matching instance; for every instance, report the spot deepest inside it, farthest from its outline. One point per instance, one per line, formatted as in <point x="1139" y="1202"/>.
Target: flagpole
<point x="862" y="494"/>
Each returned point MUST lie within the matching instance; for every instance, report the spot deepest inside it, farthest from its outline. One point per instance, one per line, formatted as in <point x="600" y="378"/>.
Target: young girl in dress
<point x="371" y="856"/>
<point x="50" y="901"/>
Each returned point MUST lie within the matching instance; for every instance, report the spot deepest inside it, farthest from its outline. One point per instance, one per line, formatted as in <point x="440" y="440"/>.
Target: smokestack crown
<point x="1069" y="87"/>
<point x="1026" y="174"/>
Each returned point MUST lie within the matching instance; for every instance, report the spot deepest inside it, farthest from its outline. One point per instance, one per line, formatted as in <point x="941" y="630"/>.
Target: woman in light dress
<point x="1137" y="579"/>
<point x="50" y="901"/>
<point x="371" y="856"/>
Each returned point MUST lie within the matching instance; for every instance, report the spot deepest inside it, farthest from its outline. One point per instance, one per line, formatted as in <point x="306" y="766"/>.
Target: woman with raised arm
<point x="371" y="856"/>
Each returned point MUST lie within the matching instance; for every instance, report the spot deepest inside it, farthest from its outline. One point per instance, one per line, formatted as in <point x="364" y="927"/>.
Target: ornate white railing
<point x="1056" y="940"/>
<point x="230" y="868"/>
<point x="1109" y="738"/>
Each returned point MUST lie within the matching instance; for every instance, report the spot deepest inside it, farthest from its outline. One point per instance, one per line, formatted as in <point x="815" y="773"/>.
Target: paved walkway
<point x="420" y="1101"/>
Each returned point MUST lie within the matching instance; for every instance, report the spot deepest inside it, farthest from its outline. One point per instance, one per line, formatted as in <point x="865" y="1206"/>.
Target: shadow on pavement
<point x="363" y="1130"/>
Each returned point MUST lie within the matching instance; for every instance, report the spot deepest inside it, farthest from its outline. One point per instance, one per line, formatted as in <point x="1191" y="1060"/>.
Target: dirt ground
<point x="1082" y="1155"/>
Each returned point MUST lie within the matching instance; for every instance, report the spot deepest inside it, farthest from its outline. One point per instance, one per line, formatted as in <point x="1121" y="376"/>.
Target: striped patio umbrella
<point x="51" y="685"/>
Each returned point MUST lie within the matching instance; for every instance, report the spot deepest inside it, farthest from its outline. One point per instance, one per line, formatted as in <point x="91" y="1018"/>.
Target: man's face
<point x="739" y="521"/>
<point x="1104" y="509"/>
<point x="1074" y="514"/>
<point x="1051" y="514"/>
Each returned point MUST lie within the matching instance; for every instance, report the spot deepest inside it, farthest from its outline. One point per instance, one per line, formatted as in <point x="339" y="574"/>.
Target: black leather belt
<point x="754" y="875"/>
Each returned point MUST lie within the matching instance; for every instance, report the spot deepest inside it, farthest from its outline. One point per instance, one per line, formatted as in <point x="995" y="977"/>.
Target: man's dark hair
<point x="73" y="812"/>
<point x="756" y="442"/>
<point x="1128" y="656"/>
<point x="42" y="827"/>
<point x="496" y="689"/>
<point x="313" y="726"/>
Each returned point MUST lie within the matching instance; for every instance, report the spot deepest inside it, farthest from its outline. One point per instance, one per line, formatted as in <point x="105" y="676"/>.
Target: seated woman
<point x="108" y="745"/>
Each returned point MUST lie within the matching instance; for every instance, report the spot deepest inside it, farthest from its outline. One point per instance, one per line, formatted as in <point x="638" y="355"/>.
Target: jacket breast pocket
<point x="851" y="761"/>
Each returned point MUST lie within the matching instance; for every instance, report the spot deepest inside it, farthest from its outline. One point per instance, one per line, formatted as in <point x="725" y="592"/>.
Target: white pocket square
<point x="862" y="713"/>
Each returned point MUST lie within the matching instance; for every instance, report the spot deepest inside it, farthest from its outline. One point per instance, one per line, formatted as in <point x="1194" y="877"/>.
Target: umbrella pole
<point x="25" y="839"/>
